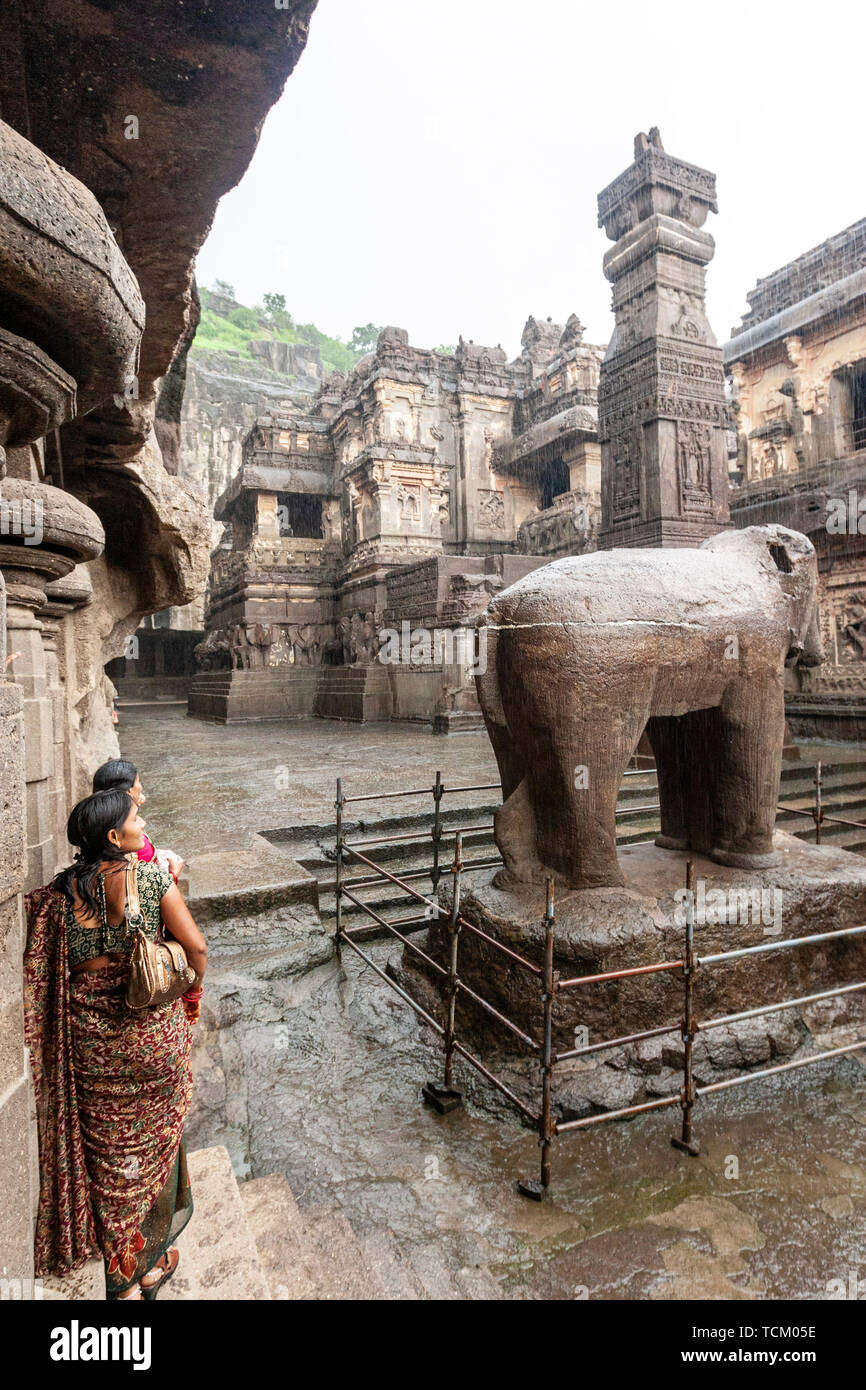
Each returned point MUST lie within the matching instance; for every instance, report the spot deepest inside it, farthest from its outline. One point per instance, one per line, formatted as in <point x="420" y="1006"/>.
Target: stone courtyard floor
<point x="209" y="786"/>
<point x="775" y="1206"/>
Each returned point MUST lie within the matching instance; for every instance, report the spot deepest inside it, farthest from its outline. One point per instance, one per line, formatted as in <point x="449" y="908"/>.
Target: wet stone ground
<point x="210" y="786"/>
<point x="774" y="1207"/>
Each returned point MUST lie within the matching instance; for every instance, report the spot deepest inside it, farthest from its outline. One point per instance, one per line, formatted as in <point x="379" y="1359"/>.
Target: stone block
<point x="16" y="1230"/>
<point x="12" y="1059"/>
<point x="12" y="843"/>
<point x="38" y="740"/>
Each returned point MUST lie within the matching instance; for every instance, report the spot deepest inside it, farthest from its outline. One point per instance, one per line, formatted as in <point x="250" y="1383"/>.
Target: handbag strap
<point x="133" y="914"/>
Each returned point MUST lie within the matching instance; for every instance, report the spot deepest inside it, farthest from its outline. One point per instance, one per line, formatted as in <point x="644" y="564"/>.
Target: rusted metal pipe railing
<point x="550" y="985"/>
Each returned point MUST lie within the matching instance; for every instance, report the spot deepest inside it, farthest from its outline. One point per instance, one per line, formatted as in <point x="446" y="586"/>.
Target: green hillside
<point x="231" y="331"/>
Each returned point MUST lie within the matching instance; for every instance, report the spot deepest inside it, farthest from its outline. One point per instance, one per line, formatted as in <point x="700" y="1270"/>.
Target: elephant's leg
<point x="666" y="736"/>
<point x="746" y="786"/>
<point x="515" y="835"/>
<point x="506" y="752"/>
<point x="574" y="782"/>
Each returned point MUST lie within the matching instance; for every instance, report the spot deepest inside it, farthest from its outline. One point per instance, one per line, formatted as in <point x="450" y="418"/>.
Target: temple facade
<point x="410" y="491"/>
<point x="797" y="364"/>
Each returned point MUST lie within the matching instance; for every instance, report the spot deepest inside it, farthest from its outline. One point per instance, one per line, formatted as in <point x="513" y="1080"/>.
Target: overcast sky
<point x="436" y="165"/>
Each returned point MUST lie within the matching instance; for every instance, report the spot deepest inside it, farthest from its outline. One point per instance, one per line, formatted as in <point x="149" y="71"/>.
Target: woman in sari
<point x="113" y="1085"/>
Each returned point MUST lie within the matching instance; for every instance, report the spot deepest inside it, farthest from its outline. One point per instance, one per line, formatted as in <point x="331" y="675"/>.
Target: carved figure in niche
<point x="585" y="653"/>
<point x="458" y="698"/>
<point x="469" y="594"/>
<point x="364" y="638"/>
<point x="626" y="453"/>
<point x="491" y="509"/>
<point x="240" y="648"/>
<point x="488" y="448"/>
<point x="305" y="644"/>
<point x="769" y="461"/>
<point x="410" y="505"/>
<point x="330" y="518"/>
<point x="281" y="653"/>
<point x="694" y="444"/>
<point x="688" y="327"/>
<point x="345" y="634"/>
<point x="213" y="653"/>
<point x="851" y="623"/>
<point x="350" y="520"/>
<point x="259" y="642"/>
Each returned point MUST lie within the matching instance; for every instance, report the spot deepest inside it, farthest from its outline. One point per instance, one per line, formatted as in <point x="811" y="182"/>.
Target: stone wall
<point x="798" y="370"/>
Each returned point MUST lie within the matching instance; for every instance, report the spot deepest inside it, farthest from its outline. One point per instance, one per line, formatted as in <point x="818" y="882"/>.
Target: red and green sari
<point x="113" y="1089"/>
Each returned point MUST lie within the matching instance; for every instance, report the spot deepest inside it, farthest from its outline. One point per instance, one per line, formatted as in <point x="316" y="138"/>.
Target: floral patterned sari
<point x="113" y="1088"/>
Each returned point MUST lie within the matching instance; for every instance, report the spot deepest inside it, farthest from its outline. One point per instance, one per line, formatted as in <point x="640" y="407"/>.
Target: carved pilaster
<point x="662" y="411"/>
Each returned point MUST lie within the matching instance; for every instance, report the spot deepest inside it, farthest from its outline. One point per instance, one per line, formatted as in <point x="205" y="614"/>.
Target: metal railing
<point x="550" y="985"/>
<point x="817" y="812"/>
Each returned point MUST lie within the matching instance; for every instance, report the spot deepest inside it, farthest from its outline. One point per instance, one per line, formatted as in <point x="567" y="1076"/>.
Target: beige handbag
<point x="159" y="971"/>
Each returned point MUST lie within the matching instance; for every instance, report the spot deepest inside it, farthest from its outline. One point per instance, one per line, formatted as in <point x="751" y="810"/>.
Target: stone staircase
<point x="230" y="697"/>
<point x="844" y="795"/>
<point x="250" y="1240"/>
<point x="358" y="693"/>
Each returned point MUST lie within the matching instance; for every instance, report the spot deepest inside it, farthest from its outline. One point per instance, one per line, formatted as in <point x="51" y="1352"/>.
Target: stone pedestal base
<point x="814" y="889"/>
<point x="230" y="697"/>
<point x="458" y="721"/>
<point x="357" y="693"/>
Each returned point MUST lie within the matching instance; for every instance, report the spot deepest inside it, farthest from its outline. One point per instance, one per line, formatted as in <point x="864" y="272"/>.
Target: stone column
<point x="63" y="597"/>
<point x="661" y="403"/>
<point x="18" y="1156"/>
<point x="68" y="532"/>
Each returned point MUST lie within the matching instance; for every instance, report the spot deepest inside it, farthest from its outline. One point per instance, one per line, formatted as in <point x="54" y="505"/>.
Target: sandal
<point x="132" y="1295"/>
<point x="166" y="1269"/>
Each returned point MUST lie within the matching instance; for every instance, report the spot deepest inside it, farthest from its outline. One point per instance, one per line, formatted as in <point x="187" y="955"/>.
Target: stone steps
<point x="315" y="1254"/>
<point x="219" y="1258"/>
<point x="844" y="794"/>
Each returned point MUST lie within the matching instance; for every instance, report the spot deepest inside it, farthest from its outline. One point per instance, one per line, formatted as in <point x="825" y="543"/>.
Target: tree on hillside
<point x="364" y="337"/>
<point x="276" y="312"/>
<point x="274" y="304"/>
<point x="224" y="288"/>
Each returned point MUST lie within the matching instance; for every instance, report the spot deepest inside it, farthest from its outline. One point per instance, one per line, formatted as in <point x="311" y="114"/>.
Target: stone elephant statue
<point x="690" y="644"/>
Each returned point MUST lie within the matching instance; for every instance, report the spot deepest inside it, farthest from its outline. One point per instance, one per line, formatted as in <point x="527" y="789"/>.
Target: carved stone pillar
<point x="662" y="415"/>
<point x="69" y="532"/>
<point x="63" y="598"/>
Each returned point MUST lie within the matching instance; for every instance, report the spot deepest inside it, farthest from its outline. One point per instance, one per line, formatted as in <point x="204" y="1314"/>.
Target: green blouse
<point x="85" y="943"/>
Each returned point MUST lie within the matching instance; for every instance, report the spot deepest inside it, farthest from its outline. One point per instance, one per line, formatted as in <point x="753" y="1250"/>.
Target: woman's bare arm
<point x="177" y="919"/>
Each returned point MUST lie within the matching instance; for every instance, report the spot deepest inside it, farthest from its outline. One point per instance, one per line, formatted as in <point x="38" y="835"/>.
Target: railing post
<point x="818" y="813"/>
<point x="686" y="1143"/>
<point x="338" y="873"/>
<point x="530" y="1188"/>
<point x="447" y="1097"/>
<point x="436" y="872"/>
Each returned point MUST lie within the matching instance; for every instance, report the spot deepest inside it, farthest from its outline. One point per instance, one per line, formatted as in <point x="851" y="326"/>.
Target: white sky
<point x="435" y="163"/>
